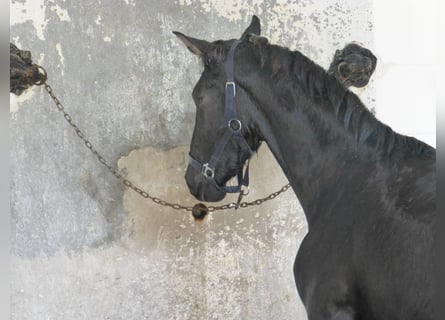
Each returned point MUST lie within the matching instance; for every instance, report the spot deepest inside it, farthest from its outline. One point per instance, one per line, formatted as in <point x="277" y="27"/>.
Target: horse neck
<point x="316" y="154"/>
<point x="315" y="169"/>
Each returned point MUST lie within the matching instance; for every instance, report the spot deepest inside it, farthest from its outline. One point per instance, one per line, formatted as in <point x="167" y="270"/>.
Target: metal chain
<point x="138" y="190"/>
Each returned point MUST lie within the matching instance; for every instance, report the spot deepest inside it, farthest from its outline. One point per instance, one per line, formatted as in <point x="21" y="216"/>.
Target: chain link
<point x="139" y="191"/>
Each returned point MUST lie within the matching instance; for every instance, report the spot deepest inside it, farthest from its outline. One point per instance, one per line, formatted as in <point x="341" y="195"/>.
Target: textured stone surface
<point x="84" y="247"/>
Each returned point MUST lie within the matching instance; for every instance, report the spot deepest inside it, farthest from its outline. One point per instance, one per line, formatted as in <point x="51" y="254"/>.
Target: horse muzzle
<point x="203" y="188"/>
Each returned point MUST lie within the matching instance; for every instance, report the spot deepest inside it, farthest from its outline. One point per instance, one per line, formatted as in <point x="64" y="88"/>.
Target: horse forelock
<point x="218" y="51"/>
<point x="337" y="103"/>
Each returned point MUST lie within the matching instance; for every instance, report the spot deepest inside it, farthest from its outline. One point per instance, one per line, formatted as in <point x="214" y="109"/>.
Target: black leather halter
<point x="233" y="130"/>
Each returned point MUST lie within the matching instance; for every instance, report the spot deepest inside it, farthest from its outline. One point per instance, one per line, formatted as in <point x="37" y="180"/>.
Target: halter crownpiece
<point x="233" y="130"/>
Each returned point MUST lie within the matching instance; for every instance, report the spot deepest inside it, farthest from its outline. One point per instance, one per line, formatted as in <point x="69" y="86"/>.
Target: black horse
<point x="368" y="193"/>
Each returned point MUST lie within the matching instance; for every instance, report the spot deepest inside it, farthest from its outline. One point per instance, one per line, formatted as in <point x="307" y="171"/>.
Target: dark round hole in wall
<point x="200" y="211"/>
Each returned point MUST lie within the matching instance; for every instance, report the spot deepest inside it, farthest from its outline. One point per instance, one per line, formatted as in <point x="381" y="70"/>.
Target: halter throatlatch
<point x="233" y="131"/>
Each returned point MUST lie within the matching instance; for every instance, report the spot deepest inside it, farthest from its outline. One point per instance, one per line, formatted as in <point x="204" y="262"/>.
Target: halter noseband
<point x="233" y="130"/>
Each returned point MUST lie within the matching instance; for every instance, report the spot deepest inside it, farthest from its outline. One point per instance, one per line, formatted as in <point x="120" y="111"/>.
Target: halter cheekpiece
<point x="233" y="130"/>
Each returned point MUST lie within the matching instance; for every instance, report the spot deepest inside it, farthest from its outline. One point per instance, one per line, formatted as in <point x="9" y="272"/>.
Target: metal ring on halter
<point x="238" y="124"/>
<point x="208" y="171"/>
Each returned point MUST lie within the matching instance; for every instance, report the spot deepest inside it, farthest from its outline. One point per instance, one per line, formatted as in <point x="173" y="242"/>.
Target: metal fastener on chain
<point x="199" y="211"/>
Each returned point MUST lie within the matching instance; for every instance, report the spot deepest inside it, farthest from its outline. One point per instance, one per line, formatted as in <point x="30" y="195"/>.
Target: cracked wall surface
<point x="85" y="247"/>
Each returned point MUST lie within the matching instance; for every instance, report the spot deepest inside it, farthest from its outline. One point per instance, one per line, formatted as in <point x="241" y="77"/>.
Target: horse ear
<point x="255" y="27"/>
<point x="196" y="46"/>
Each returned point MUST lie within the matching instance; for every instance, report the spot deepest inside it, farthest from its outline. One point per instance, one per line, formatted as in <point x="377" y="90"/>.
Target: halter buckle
<point x="231" y="83"/>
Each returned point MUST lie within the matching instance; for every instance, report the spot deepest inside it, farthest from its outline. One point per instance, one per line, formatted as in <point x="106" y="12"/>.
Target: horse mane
<point x="343" y="105"/>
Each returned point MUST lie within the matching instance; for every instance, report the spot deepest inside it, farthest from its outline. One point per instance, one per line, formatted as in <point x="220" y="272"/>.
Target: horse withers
<point x="368" y="193"/>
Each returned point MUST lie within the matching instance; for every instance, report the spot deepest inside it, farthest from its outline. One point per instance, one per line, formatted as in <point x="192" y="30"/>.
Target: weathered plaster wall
<point x="83" y="247"/>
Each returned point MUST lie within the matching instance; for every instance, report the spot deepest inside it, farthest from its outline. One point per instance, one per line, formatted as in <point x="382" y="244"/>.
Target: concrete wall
<point x="83" y="246"/>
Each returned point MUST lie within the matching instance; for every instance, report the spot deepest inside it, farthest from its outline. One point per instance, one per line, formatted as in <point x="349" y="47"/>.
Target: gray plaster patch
<point x="230" y="253"/>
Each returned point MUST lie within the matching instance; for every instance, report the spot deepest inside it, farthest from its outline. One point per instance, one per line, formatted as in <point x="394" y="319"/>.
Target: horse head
<point x="224" y="136"/>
